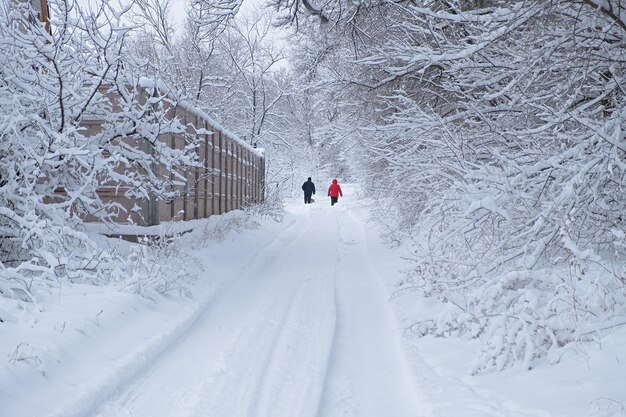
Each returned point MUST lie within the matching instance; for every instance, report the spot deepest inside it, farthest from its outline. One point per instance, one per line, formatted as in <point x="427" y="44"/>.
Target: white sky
<point x="248" y="8"/>
<point x="178" y="10"/>
<point x="179" y="7"/>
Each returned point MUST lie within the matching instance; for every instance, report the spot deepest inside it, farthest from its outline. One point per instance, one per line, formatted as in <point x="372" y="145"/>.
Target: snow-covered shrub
<point x="272" y="206"/>
<point x="27" y="354"/>
<point x="53" y="86"/>
<point x="158" y="265"/>
<point x="533" y="259"/>
<point x="237" y="220"/>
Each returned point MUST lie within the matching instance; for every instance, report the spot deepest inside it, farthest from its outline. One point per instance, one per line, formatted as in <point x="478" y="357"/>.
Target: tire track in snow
<point x="123" y="383"/>
<point x="368" y="375"/>
<point x="278" y="379"/>
<point x="301" y="359"/>
<point x="233" y="373"/>
<point x="330" y="359"/>
<point x="293" y="380"/>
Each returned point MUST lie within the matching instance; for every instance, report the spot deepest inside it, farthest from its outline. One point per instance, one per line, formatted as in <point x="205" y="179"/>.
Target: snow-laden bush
<point x="217" y="229"/>
<point x="158" y="265"/>
<point x="220" y="229"/>
<point x="532" y="257"/>
<point x="62" y="136"/>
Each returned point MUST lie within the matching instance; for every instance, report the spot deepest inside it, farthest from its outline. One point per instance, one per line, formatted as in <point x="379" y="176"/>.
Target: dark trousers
<point x="333" y="200"/>
<point x="307" y="198"/>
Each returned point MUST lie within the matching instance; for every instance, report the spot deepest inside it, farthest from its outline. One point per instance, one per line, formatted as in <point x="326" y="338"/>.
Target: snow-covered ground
<point x="294" y="318"/>
<point x="589" y="381"/>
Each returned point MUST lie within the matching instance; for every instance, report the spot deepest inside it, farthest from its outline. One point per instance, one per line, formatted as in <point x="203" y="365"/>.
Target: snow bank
<point x="585" y="380"/>
<point x="73" y="348"/>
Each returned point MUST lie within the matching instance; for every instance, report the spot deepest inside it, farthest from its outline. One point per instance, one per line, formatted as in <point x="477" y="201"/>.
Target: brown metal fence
<point x="230" y="174"/>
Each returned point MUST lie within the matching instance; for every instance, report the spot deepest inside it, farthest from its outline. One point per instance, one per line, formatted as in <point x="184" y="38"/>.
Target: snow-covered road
<point x="305" y="329"/>
<point x="289" y="319"/>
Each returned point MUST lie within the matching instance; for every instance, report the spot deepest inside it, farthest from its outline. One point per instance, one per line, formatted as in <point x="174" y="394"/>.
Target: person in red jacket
<point x="334" y="191"/>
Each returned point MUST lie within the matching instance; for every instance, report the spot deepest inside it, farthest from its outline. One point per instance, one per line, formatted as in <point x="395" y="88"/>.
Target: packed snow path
<point x="290" y="319"/>
<point x="305" y="329"/>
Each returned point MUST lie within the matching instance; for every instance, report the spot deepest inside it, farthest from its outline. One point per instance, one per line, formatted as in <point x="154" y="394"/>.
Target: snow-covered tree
<point x="73" y="116"/>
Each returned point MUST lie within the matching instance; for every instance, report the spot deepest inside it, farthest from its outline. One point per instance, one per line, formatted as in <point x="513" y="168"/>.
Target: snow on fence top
<point x="160" y="86"/>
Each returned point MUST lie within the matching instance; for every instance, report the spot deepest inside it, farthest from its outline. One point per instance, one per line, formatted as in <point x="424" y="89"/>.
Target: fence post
<point x="239" y="176"/>
<point x="213" y="170"/>
<point x="149" y="204"/>
<point x="206" y="171"/>
<point x="231" y="170"/>
<point x="173" y="203"/>
<point x="262" y="179"/>
<point x="221" y="172"/>
<point x="196" y="178"/>
<point x="252" y="177"/>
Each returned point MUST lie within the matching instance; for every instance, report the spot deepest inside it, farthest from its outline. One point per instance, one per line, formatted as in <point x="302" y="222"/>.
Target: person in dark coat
<point x="309" y="189"/>
<point x="334" y="191"/>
